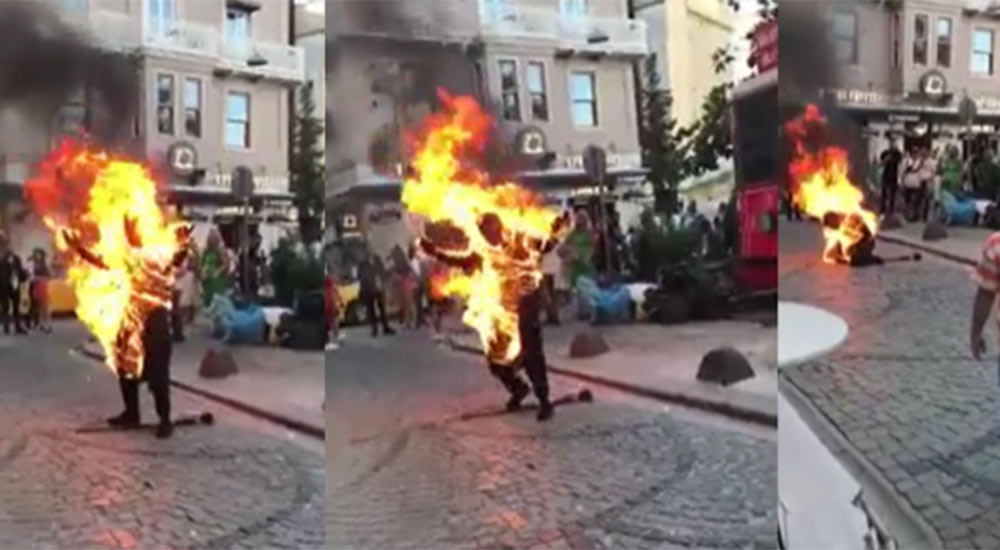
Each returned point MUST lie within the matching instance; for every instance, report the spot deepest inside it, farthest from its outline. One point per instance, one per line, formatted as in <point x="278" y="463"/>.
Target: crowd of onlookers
<point x="209" y="270"/>
<point x="921" y="179"/>
<point x="397" y="289"/>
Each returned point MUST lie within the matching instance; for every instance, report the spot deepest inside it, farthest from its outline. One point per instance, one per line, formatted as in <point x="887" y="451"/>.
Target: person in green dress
<point x="213" y="268"/>
<point x="578" y="250"/>
<point x="951" y="171"/>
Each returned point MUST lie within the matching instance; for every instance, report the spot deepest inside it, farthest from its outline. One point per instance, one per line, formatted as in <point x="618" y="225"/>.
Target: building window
<point x="583" y="99"/>
<point x="845" y="36"/>
<point x="76" y="6"/>
<point x="495" y="10"/>
<point x="165" y="104"/>
<point x="238" y="120"/>
<point x="573" y="8"/>
<point x="73" y="114"/>
<point x="920" y="40"/>
<point x="192" y="107"/>
<point x="537" y="92"/>
<point x="509" y="90"/>
<point x="944" y="42"/>
<point x="162" y="14"/>
<point x="237" y="26"/>
<point x="982" y="52"/>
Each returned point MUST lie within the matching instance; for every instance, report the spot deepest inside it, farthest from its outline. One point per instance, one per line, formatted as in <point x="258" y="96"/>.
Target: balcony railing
<point x="183" y="37"/>
<point x="117" y="30"/>
<point x="600" y="34"/>
<point x="271" y="59"/>
<point x="579" y="33"/>
<point x="520" y="22"/>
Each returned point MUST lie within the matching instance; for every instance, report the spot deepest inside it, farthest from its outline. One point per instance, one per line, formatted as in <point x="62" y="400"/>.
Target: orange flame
<point x="823" y="189"/>
<point x="503" y="229"/>
<point x="121" y="245"/>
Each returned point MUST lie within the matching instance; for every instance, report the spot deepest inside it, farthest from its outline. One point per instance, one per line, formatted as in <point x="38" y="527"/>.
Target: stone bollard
<point x="217" y="364"/>
<point x="935" y="231"/>
<point x="724" y="366"/>
<point x="587" y="344"/>
<point x="891" y="221"/>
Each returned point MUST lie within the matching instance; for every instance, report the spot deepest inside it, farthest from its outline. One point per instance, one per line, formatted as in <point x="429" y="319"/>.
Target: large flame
<point x="493" y="234"/>
<point x="121" y="245"/>
<point x="823" y="189"/>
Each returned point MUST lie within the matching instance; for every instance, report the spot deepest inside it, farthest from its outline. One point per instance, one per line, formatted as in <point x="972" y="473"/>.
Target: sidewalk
<point x="662" y="361"/>
<point x="284" y="386"/>
<point x="963" y="245"/>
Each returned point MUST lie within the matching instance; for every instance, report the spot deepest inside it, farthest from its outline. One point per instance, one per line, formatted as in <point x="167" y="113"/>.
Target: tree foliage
<point x="307" y="168"/>
<point x="672" y="152"/>
<point x="664" y="143"/>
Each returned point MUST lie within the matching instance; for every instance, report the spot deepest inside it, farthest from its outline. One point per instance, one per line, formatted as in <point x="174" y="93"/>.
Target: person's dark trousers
<point x="158" y="344"/>
<point x="418" y="303"/>
<point x="888" y="199"/>
<point x="551" y="303"/>
<point x="10" y="310"/>
<point x="34" y="312"/>
<point x="911" y="196"/>
<point x="925" y="201"/>
<point x="130" y="398"/>
<point x="375" y="305"/>
<point x="532" y="347"/>
<point x="177" y="317"/>
<point x="532" y="359"/>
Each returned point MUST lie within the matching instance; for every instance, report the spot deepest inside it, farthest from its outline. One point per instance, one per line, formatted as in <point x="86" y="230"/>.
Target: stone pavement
<point x="903" y="389"/>
<point x="665" y="359"/>
<point x="240" y="483"/>
<point x="284" y="384"/>
<point x="409" y="466"/>
<point x="964" y="244"/>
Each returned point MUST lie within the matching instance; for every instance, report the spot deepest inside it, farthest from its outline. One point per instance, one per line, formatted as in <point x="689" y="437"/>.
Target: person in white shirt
<point x="913" y="169"/>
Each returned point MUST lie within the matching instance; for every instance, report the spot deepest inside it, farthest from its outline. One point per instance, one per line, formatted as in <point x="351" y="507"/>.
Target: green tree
<point x="711" y="133"/>
<point x="307" y="169"/>
<point x="664" y="143"/>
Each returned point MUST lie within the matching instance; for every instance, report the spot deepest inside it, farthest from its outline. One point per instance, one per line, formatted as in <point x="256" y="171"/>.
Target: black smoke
<point x="44" y="62"/>
<point x="807" y="66"/>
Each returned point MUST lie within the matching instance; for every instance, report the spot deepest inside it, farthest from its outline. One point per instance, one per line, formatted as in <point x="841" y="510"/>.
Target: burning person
<point x="124" y="254"/>
<point x="492" y="235"/>
<point x="822" y="189"/>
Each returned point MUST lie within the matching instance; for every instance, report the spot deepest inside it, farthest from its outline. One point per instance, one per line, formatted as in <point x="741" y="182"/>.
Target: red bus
<point x="754" y="116"/>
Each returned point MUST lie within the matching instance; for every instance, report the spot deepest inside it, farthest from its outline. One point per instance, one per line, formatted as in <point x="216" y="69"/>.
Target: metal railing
<point x="118" y="30"/>
<point x="584" y="33"/>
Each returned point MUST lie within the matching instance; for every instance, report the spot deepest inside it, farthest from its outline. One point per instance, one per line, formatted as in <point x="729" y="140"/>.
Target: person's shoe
<point x="332" y="346"/>
<point x="124" y="420"/>
<point x="518" y="395"/>
<point x="21" y="330"/>
<point x="545" y="411"/>
<point x="164" y="429"/>
<point x="388" y="331"/>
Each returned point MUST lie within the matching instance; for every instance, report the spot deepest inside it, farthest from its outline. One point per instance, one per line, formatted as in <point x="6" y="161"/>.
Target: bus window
<point x="756" y="136"/>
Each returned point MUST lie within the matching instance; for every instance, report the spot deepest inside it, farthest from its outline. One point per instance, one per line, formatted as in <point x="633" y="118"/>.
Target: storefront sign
<point x="862" y="97"/>
<point x="897" y="117"/>
<point x="987" y="103"/>
<point x="933" y="85"/>
<point x="182" y="158"/>
<point x="384" y="214"/>
<point x="575" y="162"/>
<point x="530" y="141"/>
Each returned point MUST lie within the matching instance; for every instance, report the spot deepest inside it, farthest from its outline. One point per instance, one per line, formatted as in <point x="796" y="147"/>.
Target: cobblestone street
<point x="406" y="468"/>
<point x="904" y="389"/>
<point x="238" y="484"/>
